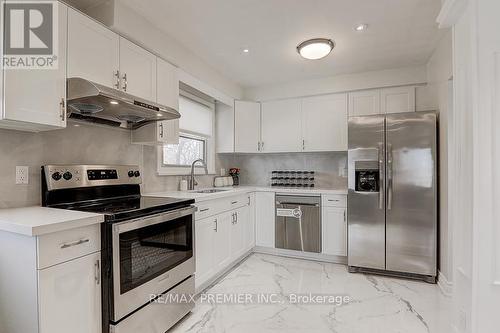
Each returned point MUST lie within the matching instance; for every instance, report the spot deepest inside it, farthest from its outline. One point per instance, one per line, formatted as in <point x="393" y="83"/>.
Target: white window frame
<point x="169" y="170"/>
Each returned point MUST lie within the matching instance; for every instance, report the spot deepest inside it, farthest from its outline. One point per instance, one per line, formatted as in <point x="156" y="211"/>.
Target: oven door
<point x="150" y="255"/>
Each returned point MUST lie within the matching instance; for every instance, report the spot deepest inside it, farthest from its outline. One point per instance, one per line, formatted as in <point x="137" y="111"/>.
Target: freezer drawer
<point x="298" y="223"/>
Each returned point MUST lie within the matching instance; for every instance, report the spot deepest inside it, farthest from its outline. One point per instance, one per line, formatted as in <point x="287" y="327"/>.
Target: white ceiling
<point x="401" y="33"/>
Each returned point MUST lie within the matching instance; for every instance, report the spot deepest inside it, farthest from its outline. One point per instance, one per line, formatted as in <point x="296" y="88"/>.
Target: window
<point x="186" y="152"/>
<point x="196" y="127"/>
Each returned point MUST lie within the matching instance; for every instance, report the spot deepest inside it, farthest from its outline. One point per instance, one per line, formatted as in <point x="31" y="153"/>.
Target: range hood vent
<point x="92" y="102"/>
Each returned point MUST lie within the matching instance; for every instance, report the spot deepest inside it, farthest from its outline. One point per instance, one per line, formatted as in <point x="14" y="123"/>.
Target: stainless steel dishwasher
<point x="298" y="223"/>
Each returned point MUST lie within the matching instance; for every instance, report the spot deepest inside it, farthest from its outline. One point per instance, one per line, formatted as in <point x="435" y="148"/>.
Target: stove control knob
<point x="56" y="175"/>
<point x="131" y="173"/>
<point x="137" y="173"/>
<point x="67" y="175"/>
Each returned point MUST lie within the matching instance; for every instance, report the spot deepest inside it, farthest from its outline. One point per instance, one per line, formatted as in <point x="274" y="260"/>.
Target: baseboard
<point x="445" y="285"/>
<point x="301" y="255"/>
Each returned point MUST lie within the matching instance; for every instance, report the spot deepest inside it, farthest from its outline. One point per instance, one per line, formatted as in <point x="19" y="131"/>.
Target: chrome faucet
<point x="191" y="181"/>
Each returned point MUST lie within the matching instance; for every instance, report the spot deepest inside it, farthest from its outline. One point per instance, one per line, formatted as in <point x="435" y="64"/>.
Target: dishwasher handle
<point x="297" y="204"/>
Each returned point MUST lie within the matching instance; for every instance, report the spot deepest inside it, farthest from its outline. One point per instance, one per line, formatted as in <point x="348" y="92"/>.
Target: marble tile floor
<point x="376" y="304"/>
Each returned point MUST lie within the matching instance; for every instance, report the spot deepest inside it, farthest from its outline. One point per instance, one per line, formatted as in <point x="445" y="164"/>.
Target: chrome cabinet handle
<point x="381" y="191"/>
<point x="204" y="210"/>
<point x="98" y="272"/>
<point x="236" y="217"/>
<point x="161" y="130"/>
<point x="117" y="76"/>
<point x="125" y="82"/>
<point x="345" y="218"/>
<point x="262" y="145"/>
<point x="234" y="202"/>
<point x="333" y="200"/>
<point x="63" y="109"/>
<point x="303" y="144"/>
<point x="258" y="146"/>
<point x="216" y="225"/>
<point x="79" y="242"/>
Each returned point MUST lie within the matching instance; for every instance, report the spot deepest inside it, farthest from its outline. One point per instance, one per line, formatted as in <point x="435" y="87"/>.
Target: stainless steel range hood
<point x="92" y="102"/>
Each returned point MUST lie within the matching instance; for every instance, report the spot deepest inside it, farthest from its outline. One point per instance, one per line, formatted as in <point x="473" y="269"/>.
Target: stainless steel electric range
<point x="147" y="243"/>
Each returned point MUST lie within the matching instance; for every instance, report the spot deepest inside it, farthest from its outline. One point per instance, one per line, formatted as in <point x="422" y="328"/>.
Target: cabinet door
<point x="222" y="246"/>
<point x="38" y="97"/>
<point x="364" y="103"/>
<point x="92" y="50"/>
<point x="396" y="100"/>
<point x="250" y="225"/>
<point x="237" y="239"/>
<point x="325" y="123"/>
<point x="167" y="90"/>
<point x="224" y="128"/>
<point x="264" y="219"/>
<point x="70" y="296"/>
<point x="246" y="127"/>
<point x="204" y="246"/>
<point x="282" y="126"/>
<point x="137" y="70"/>
<point x="334" y="233"/>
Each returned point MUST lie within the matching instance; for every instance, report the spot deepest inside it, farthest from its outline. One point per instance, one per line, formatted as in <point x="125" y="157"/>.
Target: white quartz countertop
<point x="231" y="191"/>
<point x="36" y="220"/>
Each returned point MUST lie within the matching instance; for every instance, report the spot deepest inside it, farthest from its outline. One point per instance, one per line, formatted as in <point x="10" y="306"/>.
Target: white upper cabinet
<point x="137" y="70"/>
<point x="247" y="119"/>
<point x="35" y="100"/>
<point x="167" y="84"/>
<point x="325" y="123"/>
<point x="93" y="50"/>
<point x="281" y="126"/>
<point x="396" y="100"/>
<point x="364" y="103"/>
<point x="224" y="128"/>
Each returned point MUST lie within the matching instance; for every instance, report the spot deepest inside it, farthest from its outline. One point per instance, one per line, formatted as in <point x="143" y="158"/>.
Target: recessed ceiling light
<point x="114" y="102"/>
<point x="159" y="115"/>
<point x="316" y="48"/>
<point x="246" y="50"/>
<point x="361" y="27"/>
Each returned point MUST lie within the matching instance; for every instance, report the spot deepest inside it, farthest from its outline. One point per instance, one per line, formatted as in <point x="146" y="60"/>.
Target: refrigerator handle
<point x="389" y="176"/>
<point x="381" y="175"/>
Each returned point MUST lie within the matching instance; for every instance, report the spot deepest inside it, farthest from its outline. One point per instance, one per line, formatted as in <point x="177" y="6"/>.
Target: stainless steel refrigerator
<point x="392" y="197"/>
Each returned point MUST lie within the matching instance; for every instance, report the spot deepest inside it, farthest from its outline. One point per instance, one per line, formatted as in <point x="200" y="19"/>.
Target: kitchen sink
<point x="211" y="190"/>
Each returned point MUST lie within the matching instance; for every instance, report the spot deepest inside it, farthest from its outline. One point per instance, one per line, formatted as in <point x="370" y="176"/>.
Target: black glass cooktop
<point x="127" y="207"/>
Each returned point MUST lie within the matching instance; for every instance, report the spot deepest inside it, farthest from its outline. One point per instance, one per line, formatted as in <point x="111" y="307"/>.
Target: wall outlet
<point x="22" y="175"/>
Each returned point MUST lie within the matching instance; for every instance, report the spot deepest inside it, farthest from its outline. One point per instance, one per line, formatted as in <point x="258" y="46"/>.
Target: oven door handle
<point x="153" y="219"/>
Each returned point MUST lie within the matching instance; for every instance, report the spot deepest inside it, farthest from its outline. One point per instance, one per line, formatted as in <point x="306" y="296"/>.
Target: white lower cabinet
<point x="334" y="231"/>
<point x="70" y="296"/>
<point x="222" y="241"/>
<point x="204" y="244"/>
<point x="223" y="237"/>
<point x="334" y="225"/>
<point x="264" y="219"/>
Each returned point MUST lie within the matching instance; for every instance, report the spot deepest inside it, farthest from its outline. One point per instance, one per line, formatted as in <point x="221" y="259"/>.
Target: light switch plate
<point x="22" y="175"/>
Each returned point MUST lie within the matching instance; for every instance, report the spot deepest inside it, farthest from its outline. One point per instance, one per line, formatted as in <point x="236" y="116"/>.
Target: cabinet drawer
<point x="65" y="245"/>
<point x="238" y="202"/>
<point x="334" y="200"/>
<point x="214" y="207"/>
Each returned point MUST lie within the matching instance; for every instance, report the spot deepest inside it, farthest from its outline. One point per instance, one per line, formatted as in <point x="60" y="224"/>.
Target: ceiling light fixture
<point x="113" y="102"/>
<point x="361" y="27"/>
<point x="246" y="50"/>
<point x="316" y="48"/>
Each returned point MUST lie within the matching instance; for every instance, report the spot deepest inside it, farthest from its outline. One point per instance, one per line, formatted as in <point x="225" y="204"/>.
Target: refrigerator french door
<point x="392" y="197"/>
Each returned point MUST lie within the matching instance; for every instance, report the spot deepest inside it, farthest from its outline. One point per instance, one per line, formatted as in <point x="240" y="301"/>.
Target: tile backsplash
<point x="256" y="168"/>
<point x="90" y="144"/>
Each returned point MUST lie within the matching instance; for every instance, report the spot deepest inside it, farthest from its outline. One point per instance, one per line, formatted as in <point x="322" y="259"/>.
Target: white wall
<point x="439" y="73"/>
<point x="136" y="28"/>
<point x="339" y="83"/>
